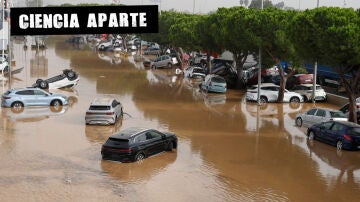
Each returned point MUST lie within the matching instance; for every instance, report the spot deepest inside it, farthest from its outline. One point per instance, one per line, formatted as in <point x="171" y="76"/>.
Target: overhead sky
<point x="205" y="6"/>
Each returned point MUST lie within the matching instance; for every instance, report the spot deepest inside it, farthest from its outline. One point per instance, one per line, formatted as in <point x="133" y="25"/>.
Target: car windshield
<point x="354" y="131"/>
<point x="337" y="114"/>
<point x="99" y="107"/>
<point x="218" y="79"/>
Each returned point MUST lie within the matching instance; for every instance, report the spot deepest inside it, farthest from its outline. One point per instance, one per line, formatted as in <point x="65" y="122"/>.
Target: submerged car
<point x="193" y="72"/>
<point x="164" y="61"/>
<point x="318" y="115"/>
<point x="213" y="83"/>
<point x="104" y="111"/>
<point x="135" y="144"/>
<point x="343" y="135"/>
<point x="23" y="97"/>
<point x="270" y="92"/>
<point x="67" y="79"/>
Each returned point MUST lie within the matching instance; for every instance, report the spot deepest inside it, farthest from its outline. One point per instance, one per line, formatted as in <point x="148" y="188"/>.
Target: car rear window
<point x="117" y="142"/>
<point x="337" y="114"/>
<point x="99" y="107"/>
<point x="354" y="131"/>
<point x="218" y="79"/>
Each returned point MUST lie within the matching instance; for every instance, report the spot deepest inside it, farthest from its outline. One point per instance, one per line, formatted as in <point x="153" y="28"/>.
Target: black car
<point x="134" y="144"/>
<point x="342" y="134"/>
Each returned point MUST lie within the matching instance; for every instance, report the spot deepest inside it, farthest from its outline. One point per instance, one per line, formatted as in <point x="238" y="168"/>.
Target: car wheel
<point x="56" y="108"/>
<point x="169" y="65"/>
<point x="339" y="145"/>
<point x="70" y="74"/>
<point x="299" y="121"/>
<point x="17" y="107"/>
<point x="263" y="99"/>
<point x="102" y="47"/>
<point x="44" y="84"/>
<point x="311" y="135"/>
<point x="140" y="156"/>
<point x="294" y="99"/>
<point x="55" y="103"/>
<point x="170" y="146"/>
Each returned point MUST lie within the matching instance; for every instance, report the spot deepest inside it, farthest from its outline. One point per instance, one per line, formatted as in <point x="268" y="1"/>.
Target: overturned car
<point x="67" y="79"/>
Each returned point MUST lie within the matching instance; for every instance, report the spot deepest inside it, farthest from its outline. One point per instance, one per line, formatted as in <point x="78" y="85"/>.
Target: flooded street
<point x="228" y="150"/>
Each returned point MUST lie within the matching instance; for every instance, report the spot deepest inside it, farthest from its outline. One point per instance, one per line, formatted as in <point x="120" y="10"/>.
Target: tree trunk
<point x="208" y="61"/>
<point x="240" y="60"/>
<point x="179" y="57"/>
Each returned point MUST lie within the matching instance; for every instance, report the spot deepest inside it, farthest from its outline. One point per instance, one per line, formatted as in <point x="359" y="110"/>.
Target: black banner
<point x="84" y="20"/>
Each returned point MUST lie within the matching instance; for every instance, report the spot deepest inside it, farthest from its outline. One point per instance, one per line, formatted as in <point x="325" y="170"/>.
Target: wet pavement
<point x="229" y="150"/>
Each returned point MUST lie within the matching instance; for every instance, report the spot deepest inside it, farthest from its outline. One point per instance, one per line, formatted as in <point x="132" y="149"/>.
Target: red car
<point x="299" y="79"/>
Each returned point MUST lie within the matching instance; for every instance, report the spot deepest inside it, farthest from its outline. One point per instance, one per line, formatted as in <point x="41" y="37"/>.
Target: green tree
<point x="331" y="37"/>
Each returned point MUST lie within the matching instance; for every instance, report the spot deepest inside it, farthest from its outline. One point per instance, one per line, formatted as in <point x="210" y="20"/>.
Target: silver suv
<point x="104" y="111"/>
<point x="164" y="61"/>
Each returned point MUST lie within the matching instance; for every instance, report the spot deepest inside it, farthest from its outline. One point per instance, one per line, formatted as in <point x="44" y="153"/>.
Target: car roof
<point x="102" y="101"/>
<point x="128" y="132"/>
<point x="348" y="123"/>
<point x="308" y="84"/>
<point x="29" y="88"/>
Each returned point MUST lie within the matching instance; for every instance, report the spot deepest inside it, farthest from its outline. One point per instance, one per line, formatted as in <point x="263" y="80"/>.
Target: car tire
<point x="140" y="156"/>
<point x="339" y="145"/>
<point x="299" y="122"/>
<point x="17" y="107"/>
<point x="70" y="75"/>
<point x="56" y="108"/>
<point x="170" y="146"/>
<point x="44" y="84"/>
<point x="311" y="135"/>
<point x="169" y="65"/>
<point x="263" y="99"/>
<point x="55" y="103"/>
<point x="294" y="100"/>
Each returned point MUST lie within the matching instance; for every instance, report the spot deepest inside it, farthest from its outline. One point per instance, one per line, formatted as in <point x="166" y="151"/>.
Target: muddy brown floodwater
<point x="229" y="150"/>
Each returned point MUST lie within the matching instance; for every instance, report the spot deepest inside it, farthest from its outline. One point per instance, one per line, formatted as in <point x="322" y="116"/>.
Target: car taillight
<point x="347" y="137"/>
<point x="331" y="119"/>
<point x="110" y="113"/>
<point x="129" y="150"/>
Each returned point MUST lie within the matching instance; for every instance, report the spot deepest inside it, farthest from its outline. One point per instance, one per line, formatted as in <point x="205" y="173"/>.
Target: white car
<point x="67" y="79"/>
<point x="269" y="92"/>
<point x="318" y="115"/>
<point x="192" y="72"/>
<point x="306" y="91"/>
<point x="164" y="61"/>
<point x="104" y="111"/>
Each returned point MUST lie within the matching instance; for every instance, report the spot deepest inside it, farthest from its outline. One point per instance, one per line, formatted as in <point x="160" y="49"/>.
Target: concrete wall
<point x="336" y="99"/>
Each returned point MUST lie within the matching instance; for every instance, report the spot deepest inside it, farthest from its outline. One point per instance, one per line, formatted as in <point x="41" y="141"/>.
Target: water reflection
<point x="32" y="114"/>
<point x="99" y="134"/>
<point x="139" y="171"/>
<point x="39" y="64"/>
<point x="337" y="168"/>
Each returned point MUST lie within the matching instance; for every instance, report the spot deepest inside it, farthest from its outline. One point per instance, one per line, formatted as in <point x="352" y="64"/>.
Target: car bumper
<point x="99" y="120"/>
<point x="5" y="103"/>
<point x="110" y="155"/>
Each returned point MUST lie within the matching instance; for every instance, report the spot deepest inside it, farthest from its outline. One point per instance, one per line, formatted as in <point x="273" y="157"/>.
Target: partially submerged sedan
<point x="67" y="79"/>
<point x="213" y="83"/>
<point x="342" y="134"/>
<point x="318" y="115"/>
<point x="135" y="144"/>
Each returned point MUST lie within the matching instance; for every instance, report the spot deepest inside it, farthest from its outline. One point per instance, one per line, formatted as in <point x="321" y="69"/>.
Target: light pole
<point x="314" y="74"/>
<point x="259" y="69"/>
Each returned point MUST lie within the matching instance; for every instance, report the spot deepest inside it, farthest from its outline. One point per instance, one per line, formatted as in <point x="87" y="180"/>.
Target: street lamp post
<point x="259" y="69"/>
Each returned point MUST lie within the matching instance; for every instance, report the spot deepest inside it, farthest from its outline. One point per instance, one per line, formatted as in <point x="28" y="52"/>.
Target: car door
<point x="309" y="117"/>
<point x="323" y="131"/>
<point x="26" y="96"/>
<point x="155" y="142"/>
<point x="332" y="135"/>
<point x="41" y="97"/>
<point x="319" y="116"/>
